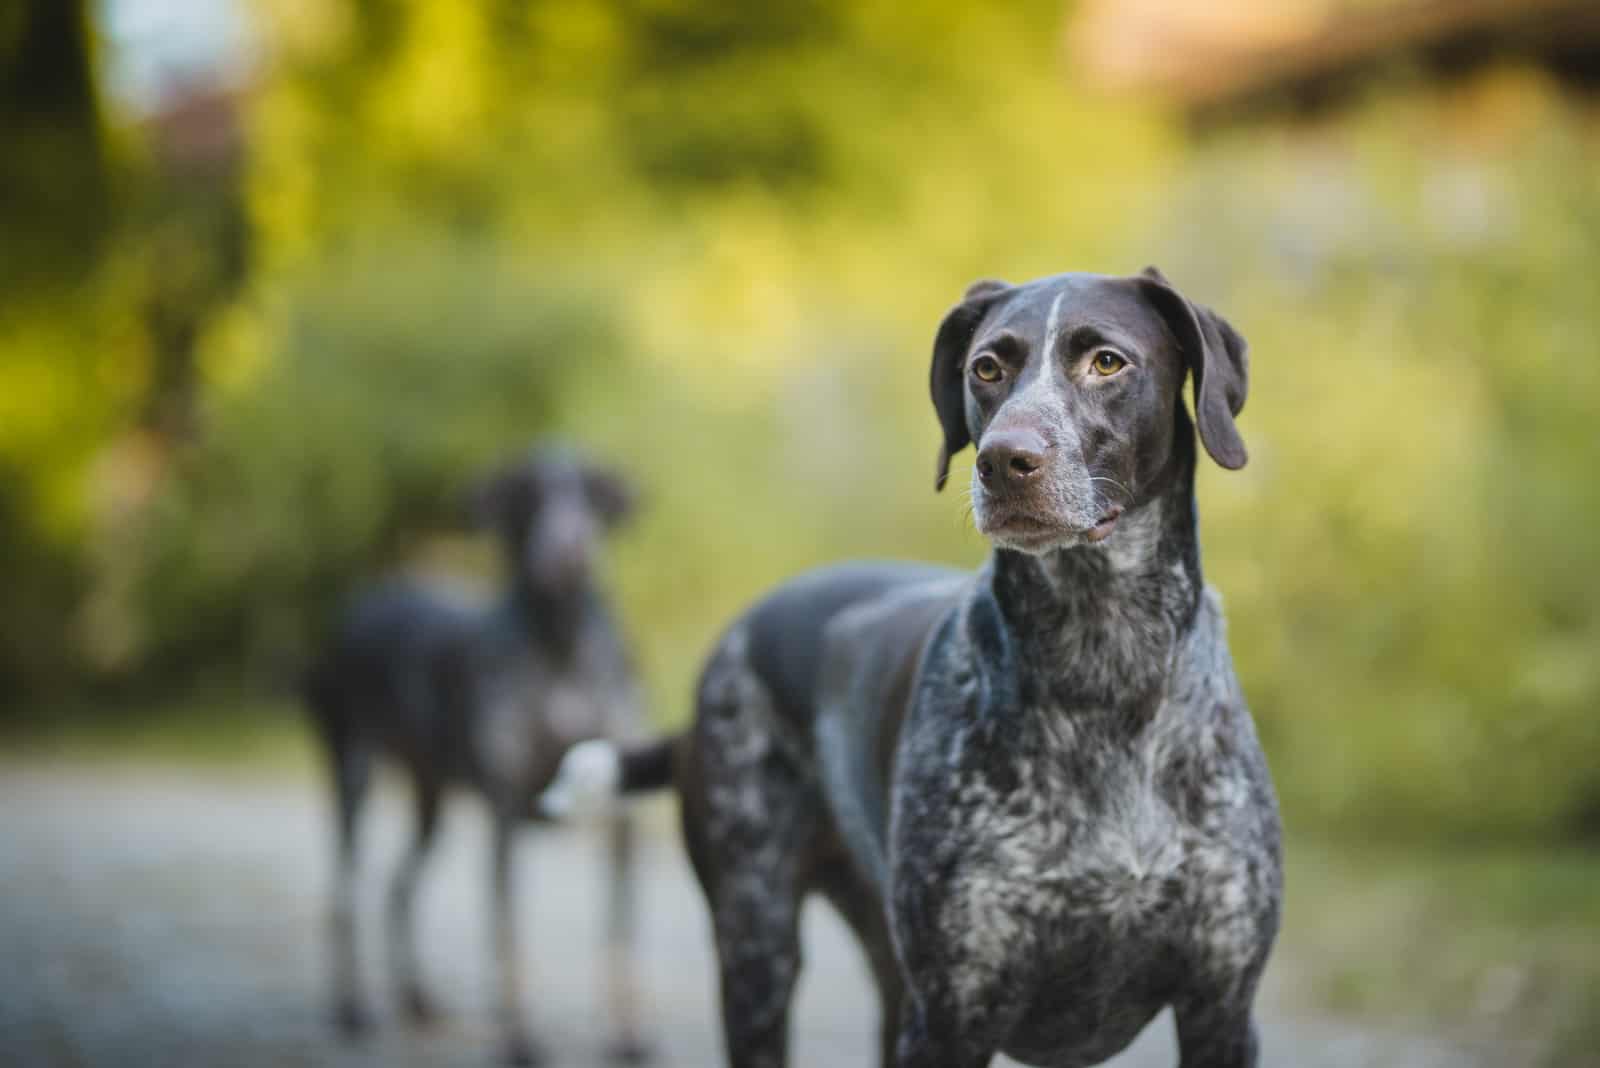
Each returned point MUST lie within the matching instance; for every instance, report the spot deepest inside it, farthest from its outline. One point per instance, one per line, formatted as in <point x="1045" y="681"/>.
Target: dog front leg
<point x="940" y="1038"/>
<point x="1212" y="1035"/>
<point x="621" y="967"/>
<point x="402" y="901"/>
<point x="350" y="1010"/>
<point x="352" y="764"/>
<point x="519" y="1046"/>
<point x="966" y="962"/>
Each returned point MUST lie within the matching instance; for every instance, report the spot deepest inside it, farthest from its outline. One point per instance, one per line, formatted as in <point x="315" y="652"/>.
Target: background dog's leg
<point x="519" y="1048"/>
<point x="402" y="896"/>
<point x="351" y="766"/>
<point x="1216" y="1036"/>
<point x="621" y="970"/>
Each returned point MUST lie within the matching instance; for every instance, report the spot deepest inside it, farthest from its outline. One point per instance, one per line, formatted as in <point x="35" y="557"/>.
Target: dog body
<point x="488" y="695"/>
<point x="1066" y="862"/>
<point x="1035" y="792"/>
<point x="467" y="692"/>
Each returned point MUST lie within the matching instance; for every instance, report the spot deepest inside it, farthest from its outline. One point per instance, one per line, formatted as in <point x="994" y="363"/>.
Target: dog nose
<point x="1009" y="458"/>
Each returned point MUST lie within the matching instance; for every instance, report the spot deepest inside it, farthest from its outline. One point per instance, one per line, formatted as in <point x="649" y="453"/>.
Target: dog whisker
<point x="1126" y="492"/>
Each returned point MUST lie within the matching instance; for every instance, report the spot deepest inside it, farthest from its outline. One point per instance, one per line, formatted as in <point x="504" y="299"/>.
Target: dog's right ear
<point x="488" y="503"/>
<point x="945" y="379"/>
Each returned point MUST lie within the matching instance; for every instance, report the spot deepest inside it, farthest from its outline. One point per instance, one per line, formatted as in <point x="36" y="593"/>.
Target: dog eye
<point x="987" y="369"/>
<point x="1107" y="362"/>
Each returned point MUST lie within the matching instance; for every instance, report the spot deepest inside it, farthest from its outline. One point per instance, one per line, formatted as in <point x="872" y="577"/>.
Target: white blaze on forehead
<point x="1051" y="325"/>
<point x="1038" y="392"/>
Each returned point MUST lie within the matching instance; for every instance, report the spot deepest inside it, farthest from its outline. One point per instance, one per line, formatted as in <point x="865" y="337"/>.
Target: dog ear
<point x="1218" y="359"/>
<point x="610" y="494"/>
<point x="489" y="501"/>
<point x="945" y="378"/>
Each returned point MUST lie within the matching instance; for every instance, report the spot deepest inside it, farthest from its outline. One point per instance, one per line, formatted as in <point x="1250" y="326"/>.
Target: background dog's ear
<point x="489" y="502"/>
<point x="1218" y="359"/>
<point x="611" y="495"/>
<point x="945" y="377"/>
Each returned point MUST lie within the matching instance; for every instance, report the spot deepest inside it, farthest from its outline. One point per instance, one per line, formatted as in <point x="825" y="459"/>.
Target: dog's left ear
<point x="1219" y="360"/>
<point x="945" y="379"/>
<point x="611" y="495"/>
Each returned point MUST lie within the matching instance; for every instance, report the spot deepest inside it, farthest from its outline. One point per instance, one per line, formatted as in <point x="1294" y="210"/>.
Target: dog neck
<point x="552" y="622"/>
<point x="1098" y="625"/>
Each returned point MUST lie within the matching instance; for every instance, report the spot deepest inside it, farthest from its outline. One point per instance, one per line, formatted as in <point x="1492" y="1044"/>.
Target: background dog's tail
<point x="595" y="773"/>
<point x="648" y="766"/>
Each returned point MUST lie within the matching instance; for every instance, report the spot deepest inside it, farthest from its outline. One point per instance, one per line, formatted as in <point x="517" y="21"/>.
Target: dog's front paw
<point x="629" y="1050"/>
<point x="419" y="1008"/>
<point x="586" y="782"/>
<point x="352" y="1019"/>
<point x="523" y="1052"/>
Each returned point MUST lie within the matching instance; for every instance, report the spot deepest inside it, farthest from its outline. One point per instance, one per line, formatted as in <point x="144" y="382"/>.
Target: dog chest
<point x="1103" y="851"/>
<point x="1083" y="838"/>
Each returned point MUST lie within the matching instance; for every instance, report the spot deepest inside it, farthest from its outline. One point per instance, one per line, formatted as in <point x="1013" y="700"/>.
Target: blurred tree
<point x="55" y="185"/>
<point x="192" y="226"/>
<point x="398" y="375"/>
<point x="56" y="210"/>
<point x="121" y="241"/>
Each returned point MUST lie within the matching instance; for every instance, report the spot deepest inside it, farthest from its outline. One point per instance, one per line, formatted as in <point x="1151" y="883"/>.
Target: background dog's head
<point x="1070" y="387"/>
<point x="549" y="509"/>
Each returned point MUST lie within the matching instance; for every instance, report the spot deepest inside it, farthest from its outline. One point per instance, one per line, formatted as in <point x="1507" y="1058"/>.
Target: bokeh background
<point x="279" y="278"/>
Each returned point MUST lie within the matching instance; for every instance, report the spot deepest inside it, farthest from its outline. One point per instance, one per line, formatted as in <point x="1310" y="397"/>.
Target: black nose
<point x="1010" y="458"/>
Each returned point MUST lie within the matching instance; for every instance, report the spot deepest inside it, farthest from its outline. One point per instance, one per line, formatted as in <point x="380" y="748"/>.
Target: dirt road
<point x="173" y="919"/>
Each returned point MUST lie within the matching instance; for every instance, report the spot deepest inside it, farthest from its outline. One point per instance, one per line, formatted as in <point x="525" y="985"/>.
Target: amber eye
<point x="987" y="369"/>
<point x="1107" y="362"/>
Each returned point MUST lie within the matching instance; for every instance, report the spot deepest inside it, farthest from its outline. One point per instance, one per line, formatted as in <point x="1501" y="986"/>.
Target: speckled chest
<point x="1075" y="824"/>
<point x="1087" y="861"/>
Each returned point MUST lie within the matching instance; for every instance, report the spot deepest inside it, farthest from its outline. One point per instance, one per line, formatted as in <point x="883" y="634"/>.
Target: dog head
<point x="1070" y="386"/>
<point x="550" y="508"/>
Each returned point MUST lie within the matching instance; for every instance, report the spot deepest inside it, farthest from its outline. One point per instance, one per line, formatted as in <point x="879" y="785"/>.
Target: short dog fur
<point x="489" y="696"/>
<point x="1035" y="792"/>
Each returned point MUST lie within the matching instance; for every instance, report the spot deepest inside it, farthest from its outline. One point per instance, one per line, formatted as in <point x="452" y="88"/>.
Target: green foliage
<point x="57" y="399"/>
<point x="392" y="378"/>
<point x="55" y="177"/>
<point x="1411" y="579"/>
<point x="1490" y="945"/>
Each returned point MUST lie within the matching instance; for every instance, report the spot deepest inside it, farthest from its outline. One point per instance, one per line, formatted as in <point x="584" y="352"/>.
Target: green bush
<point x="395" y="376"/>
<point x="1410" y="561"/>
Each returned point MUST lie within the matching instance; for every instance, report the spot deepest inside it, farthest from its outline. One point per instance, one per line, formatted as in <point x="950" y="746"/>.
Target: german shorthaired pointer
<point x="489" y="696"/>
<point x="1034" y="792"/>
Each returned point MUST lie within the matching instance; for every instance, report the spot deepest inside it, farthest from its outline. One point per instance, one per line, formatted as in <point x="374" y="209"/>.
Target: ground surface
<point x="174" y="919"/>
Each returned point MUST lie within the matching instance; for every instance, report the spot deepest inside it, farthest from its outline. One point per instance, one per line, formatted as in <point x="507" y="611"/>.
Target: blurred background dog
<point x="490" y="696"/>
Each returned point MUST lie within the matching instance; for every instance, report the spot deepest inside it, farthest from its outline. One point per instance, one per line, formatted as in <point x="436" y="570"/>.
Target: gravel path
<point x="174" y="919"/>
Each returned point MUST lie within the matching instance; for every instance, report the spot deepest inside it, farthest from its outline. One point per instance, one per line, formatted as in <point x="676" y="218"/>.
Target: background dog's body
<point x="1035" y="793"/>
<point x="462" y="690"/>
<point x="487" y="694"/>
